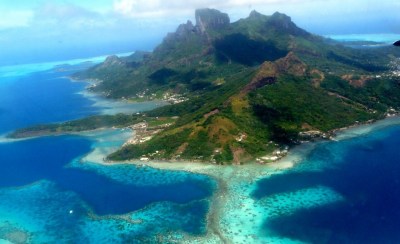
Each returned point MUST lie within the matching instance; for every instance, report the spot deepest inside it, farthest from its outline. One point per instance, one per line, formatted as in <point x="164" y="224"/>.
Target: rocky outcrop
<point x="182" y="32"/>
<point x="255" y="15"/>
<point x="269" y="71"/>
<point x="192" y="41"/>
<point x="290" y="64"/>
<point x="356" y="80"/>
<point x="282" y="22"/>
<point x="111" y="61"/>
<point x="184" y="29"/>
<point x="211" y="19"/>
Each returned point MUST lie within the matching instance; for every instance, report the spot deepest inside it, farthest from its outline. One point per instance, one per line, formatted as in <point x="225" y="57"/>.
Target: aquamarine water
<point x="53" y="191"/>
<point x="47" y="195"/>
<point x="386" y="38"/>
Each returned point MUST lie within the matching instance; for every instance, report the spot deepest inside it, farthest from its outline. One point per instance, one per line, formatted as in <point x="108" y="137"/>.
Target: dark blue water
<point x="41" y="97"/>
<point x="29" y="161"/>
<point x="367" y="176"/>
<point x="45" y="97"/>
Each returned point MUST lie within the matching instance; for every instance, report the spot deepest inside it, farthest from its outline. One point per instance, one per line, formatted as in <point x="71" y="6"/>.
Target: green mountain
<point x="242" y="90"/>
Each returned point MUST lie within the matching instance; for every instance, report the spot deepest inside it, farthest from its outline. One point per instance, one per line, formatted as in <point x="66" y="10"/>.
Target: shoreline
<point x="232" y="209"/>
<point x="100" y="98"/>
<point x="119" y="106"/>
<point x="234" y="184"/>
<point x="338" y="134"/>
<point x="365" y="128"/>
<point x="111" y="106"/>
<point x="347" y="132"/>
<point x="5" y="138"/>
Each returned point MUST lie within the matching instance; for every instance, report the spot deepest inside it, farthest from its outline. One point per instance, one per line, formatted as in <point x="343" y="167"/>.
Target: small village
<point x="169" y="97"/>
<point x="142" y="132"/>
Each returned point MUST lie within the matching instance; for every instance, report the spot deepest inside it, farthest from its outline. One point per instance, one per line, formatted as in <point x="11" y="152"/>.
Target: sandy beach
<point x="234" y="215"/>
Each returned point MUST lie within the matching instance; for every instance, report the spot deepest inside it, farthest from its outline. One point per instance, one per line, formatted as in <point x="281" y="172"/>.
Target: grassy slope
<point x="293" y="105"/>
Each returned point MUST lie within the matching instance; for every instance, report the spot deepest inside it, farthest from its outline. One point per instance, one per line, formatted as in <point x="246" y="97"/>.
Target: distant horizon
<point x="43" y="31"/>
<point x="60" y="60"/>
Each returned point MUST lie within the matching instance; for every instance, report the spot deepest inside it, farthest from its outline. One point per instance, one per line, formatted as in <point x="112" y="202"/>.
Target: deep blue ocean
<point x="345" y="191"/>
<point x="365" y="173"/>
<point x="44" y="198"/>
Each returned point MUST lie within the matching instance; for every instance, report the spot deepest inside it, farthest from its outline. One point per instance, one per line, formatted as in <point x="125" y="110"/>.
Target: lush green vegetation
<point x="241" y="49"/>
<point x="237" y="109"/>
<point x="384" y="90"/>
<point x="199" y="146"/>
<point x="292" y="104"/>
<point x="166" y="146"/>
<point x="358" y="62"/>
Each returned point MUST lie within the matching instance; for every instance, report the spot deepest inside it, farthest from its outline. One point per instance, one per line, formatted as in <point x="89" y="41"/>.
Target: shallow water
<point x="50" y="189"/>
<point x="387" y="38"/>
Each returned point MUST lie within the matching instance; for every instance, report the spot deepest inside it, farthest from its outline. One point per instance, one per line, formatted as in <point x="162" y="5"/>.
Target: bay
<point x="43" y="174"/>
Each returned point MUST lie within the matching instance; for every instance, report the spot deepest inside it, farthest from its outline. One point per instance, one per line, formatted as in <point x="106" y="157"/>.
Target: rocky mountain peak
<point x="255" y="15"/>
<point x="284" y="23"/>
<point x="112" y="60"/>
<point x="184" y="29"/>
<point x="211" y="19"/>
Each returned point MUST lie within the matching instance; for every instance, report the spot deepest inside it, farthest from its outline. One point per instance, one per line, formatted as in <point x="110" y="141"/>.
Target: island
<point x="239" y="92"/>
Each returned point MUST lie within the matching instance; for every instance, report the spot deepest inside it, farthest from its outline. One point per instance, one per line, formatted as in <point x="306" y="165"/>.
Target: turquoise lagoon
<point x="388" y="38"/>
<point x="53" y="191"/>
<point x="366" y="40"/>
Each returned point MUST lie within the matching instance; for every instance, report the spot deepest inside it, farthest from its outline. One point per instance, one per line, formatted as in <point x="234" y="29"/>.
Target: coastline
<point x="233" y="215"/>
<point x="232" y="210"/>
<point x="234" y="186"/>
<point x="285" y="161"/>
<point x="114" y="106"/>
<point x="362" y="129"/>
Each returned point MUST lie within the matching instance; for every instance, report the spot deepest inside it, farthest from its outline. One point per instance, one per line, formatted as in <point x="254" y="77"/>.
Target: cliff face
<point x="258" y="80"/>
<point x="182" y="32"/>
<point x="211" y="19"/>
<point x="285" y="24"/>
<point x="199" y="52"/>
<point x="206" y="19"/>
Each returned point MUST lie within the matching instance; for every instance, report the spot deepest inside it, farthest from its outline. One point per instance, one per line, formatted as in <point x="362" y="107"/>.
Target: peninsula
<point x="239" y="92"/>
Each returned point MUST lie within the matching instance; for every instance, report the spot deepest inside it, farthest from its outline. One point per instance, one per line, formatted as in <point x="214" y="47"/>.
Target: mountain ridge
<point x="246" y="89"/>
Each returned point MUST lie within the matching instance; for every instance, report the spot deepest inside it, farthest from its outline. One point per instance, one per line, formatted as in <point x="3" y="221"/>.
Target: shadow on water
<point x="367" y="176"/>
